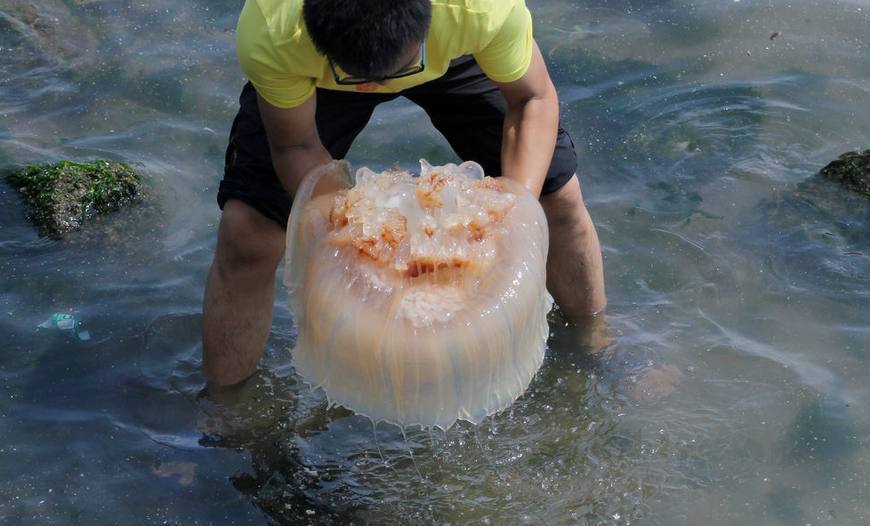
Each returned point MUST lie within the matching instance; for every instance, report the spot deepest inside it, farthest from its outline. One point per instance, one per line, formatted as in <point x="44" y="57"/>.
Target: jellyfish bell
<point x="418" y="300"/>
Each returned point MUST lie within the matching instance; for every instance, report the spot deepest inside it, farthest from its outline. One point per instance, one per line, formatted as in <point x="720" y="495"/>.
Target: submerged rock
<point x="852" y="170"/>
<point x="61" y="196"/>
<point x="61" y="32"/>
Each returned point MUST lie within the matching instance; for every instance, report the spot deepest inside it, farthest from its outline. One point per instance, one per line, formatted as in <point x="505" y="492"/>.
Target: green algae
<point x="61" y="196"/>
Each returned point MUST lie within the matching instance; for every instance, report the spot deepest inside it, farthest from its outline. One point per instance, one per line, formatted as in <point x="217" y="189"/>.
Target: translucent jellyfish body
<point x="418" y="300"/>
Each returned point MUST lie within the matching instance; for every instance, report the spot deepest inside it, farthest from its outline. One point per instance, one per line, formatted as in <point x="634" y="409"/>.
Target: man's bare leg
<point x="240" y="293"/>
<point x="575" y="271"/>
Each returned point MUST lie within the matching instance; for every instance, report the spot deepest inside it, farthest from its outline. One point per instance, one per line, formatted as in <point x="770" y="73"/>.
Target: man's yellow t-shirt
<point x="278" y="56"/>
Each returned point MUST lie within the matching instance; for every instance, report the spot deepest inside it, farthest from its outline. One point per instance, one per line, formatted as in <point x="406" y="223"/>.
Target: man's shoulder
<point x="277" y="28"/>
<point x="275" y="51"/>
<point x="478" y="6"/>
<point x="473" y="15"/>
<point x="482" y="7"/>
<point x="281" y="17"/>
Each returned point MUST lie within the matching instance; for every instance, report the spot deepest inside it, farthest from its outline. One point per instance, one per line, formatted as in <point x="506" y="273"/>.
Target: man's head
<point x="368" y="38"/>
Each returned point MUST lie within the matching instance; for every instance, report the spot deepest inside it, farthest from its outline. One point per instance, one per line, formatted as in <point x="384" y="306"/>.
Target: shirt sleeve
<point x="506" y="57"/>
<point x="267" y="70"/>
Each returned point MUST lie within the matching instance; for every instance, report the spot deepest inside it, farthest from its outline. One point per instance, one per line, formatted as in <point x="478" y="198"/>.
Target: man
<point x="317" y="69"/>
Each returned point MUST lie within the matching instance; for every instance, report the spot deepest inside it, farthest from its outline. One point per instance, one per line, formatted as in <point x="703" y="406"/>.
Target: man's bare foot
<point x="656" y="383"/>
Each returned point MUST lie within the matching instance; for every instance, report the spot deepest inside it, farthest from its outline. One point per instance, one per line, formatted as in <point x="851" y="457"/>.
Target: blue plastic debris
<point x="65" y="322"/>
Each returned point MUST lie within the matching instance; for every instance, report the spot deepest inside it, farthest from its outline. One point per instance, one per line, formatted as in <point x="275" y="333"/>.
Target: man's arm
<point x="293" y="141"/>
<point x="530" y="125"/>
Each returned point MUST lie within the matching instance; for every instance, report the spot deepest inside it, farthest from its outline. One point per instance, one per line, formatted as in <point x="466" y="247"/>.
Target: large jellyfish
<point x="418" y="300"/>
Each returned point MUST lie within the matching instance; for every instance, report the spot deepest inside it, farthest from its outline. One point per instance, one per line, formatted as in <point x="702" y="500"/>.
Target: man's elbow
<point x="545" y="96"/>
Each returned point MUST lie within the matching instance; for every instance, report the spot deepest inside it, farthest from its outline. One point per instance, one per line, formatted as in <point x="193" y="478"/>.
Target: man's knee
<point x="565" y="205"/>
<point x="247" y="240"/>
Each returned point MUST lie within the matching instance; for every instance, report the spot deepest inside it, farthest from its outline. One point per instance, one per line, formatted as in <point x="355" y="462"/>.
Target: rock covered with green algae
<point x="63" y="195"/>
<point x="852" y="170"/>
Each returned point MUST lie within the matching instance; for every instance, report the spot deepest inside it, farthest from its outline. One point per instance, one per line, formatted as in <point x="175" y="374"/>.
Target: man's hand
<point x="294" y="142"/>
<point x="530" y="125"/>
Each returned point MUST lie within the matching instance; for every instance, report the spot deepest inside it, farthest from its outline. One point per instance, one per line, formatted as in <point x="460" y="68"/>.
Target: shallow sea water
<point x="736" y="388"/>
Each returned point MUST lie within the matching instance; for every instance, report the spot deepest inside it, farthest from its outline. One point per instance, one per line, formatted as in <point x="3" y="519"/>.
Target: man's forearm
<point x="292" y="164"/>
<point x="529" y="139"/>
<point x="293" y="141"/>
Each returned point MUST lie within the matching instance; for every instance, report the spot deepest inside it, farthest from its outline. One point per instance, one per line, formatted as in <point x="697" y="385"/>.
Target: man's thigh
<point x="248" y="171"/>
<point x="468" y="109"/>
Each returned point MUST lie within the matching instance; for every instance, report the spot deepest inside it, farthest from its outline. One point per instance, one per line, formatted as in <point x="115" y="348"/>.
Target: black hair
<point x="366" y="37"/>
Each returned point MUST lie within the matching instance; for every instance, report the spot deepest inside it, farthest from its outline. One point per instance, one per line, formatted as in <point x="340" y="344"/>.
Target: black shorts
<point x="464" y="105"/>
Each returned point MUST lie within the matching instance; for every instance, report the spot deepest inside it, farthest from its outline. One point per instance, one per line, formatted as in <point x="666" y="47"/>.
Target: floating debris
<point x="65" y="322"/>
<point x="775" y="34"/>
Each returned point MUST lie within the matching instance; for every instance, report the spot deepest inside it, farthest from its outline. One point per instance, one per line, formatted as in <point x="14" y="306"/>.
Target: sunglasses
<point x="350" y="80"/>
